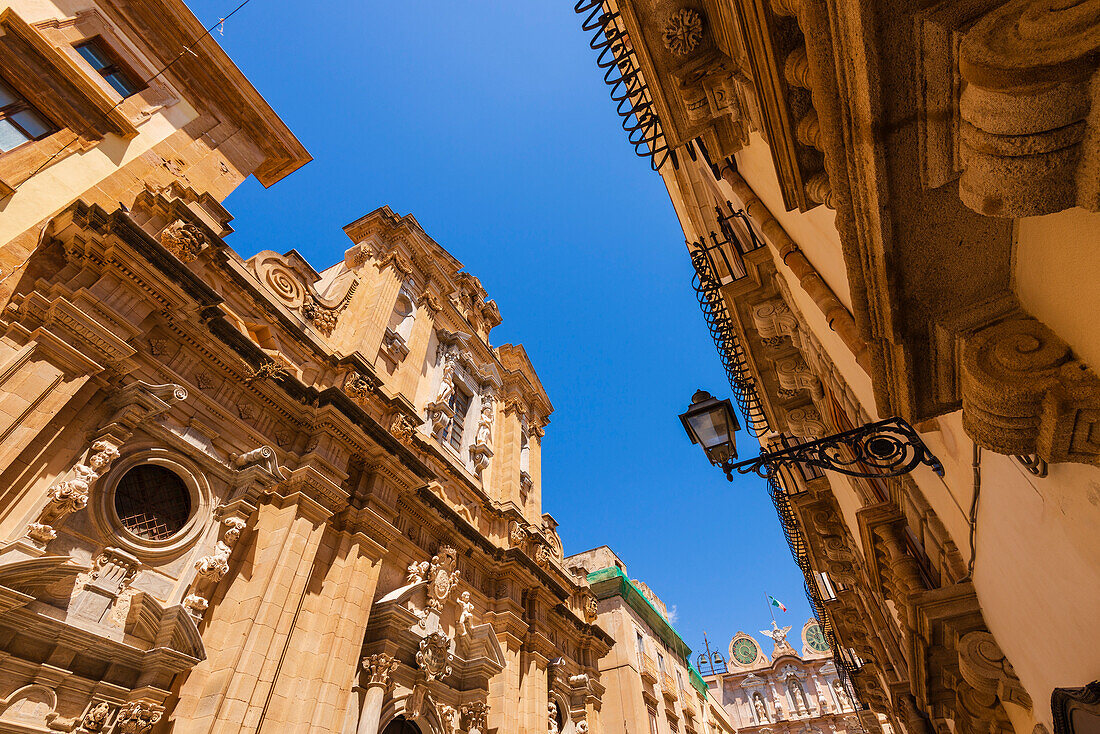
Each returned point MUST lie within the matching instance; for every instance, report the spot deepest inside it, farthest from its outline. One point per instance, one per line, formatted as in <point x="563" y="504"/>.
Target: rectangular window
<point x="661" y="663"/>
<point x="640" y="642"/>
<point x="96" y="53"/>
<point x="19" y="122"/>
<point x="460" y="404"/>
<point x="680" y="679"/>
<point x="652" y="722"/>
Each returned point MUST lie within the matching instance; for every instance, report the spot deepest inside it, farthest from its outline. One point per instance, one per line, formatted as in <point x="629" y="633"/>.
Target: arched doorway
<point x="401" y="725"/>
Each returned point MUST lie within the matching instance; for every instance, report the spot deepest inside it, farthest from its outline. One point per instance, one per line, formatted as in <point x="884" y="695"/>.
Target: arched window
<point x="152" y="502"/>
<point x="797" y="694"/>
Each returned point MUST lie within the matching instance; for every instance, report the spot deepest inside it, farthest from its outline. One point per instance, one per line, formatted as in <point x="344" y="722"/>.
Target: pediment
<point x="35" y="575"/>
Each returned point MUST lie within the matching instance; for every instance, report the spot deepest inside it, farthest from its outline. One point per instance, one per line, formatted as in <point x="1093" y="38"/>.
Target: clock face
<point x="815" y="639"/>
<point x="745" y="651"/>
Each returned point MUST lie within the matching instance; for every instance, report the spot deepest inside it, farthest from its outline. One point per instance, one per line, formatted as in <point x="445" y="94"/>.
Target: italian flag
<point x="776" y="603"/>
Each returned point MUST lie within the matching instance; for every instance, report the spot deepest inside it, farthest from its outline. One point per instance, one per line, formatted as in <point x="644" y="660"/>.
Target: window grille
<point x="152" y="502"/>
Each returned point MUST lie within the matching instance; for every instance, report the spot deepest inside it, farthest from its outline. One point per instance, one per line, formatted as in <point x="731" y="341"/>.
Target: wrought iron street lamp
<point x="887" y="448"/>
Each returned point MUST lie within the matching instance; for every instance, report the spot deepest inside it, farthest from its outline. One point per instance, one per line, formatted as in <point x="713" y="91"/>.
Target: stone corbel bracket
<point x="1024" y="392"/>
<point x="1030" y="68"/>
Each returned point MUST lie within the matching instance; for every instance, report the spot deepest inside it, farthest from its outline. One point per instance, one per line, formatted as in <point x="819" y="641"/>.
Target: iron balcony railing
<point x="633" y="102"/>
<point x="708" y="284"/>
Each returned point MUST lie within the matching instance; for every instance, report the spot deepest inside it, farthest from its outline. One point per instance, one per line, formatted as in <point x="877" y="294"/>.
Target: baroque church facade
<point x="788" y="692"/>
<point x="241" y="494"/>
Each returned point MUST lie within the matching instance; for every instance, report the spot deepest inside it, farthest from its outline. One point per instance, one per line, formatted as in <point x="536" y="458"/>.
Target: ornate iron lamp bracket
<point x="888" y="448"/>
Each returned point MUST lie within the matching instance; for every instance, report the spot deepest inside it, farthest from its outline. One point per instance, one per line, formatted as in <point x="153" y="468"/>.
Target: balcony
<point x="687" y="702"/>
<point x="650" y="674"/>
<point x="669" y="687"/>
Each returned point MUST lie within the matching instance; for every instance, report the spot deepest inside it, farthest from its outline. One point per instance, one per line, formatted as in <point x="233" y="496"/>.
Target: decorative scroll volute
<point x="1028" y="65"/>
<point x="1023" y="392"/>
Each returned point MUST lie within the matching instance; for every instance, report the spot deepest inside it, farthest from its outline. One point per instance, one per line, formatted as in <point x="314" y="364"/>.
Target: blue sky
<point x="491" y="124"/>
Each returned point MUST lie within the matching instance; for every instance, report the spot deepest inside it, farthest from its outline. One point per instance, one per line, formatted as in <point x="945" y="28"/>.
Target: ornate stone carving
<point x="379" y="668"/>
<point x="517" y="535"/>
<point x="270" y="370"/>
<point x="183" y="240"/>
<point x="96" y="718"/>
<point x="417" y="572"/>
<point x="552" y="717"/>
<point x="805" y="423"/>
<point x="216" y="565"/>
<point x="450" y="718"/>
<point x="442" y="578"/>
<point x="429" y="300"/>
<point x="794" y="374"/>
<point x="591" y="609"/>
<point x="136" y="718"/>
<point x="435" y="656"/>
<point x="474" y="716"/>
<point x="234" y="526"/>
<point x="466" y="616"/>
<point x="71" y="495"/>
<point x="774" y="319"/>
<point x="683" y="31"/>
<point x="358" y="386"/>
<point x="984" y="667"/>
<point x="196" y="606"/>
<point x="544" y="556"/>
<point x="1023" y="392"/>
<point x="403" y="429"/>
<point x="779" y="637"/>
<point x="323" y="318"/>
<point x="1026" y="109"/>
<point x="485" y="422"/>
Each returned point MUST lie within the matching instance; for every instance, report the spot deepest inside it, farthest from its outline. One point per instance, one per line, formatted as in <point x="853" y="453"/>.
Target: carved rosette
<point x="136" y="718"/>
<point x="183" y="240"/>
<point x="434" y="656"/>
<point x="1023" y="392"/>
<point x="379" y="669"/>
<point x="683" y="31"/>
<point x="71" y="495"/>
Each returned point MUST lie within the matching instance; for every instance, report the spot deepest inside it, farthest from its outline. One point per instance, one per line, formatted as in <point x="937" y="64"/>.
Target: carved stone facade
<point x="947" y="280"/>
<point x="243" y="493"/>
<point x="787" y="690"/>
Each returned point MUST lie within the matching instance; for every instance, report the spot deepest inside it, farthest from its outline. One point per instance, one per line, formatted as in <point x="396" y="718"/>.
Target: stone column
<point x="378" y="669"/>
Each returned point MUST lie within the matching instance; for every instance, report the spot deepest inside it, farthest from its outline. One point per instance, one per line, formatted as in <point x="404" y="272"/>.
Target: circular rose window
<point x="152" y="502"/>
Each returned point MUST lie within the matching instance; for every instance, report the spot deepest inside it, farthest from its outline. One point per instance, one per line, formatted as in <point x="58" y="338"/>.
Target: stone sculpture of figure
<point x="466" y="616"/>
<point x="215" y="565"/>
<point x="778" y="635"/>
<point x="761" y="710"/>
<point x="446" y="385"/>
<point x="417" y="572"/>
<point x="485" y="424"/>
<point x="552" y="716"/>
<point x="843" y="701"/>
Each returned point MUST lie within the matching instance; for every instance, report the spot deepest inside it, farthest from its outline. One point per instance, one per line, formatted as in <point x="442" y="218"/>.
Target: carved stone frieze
<point x="1024" y="392"/>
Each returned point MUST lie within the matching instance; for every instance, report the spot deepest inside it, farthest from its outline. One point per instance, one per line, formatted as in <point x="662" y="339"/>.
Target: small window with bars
<point x="99" y="57"/>
<point x="460" y="404"/>
<point x="19" y="122"/>
<point x="152" y="502"/>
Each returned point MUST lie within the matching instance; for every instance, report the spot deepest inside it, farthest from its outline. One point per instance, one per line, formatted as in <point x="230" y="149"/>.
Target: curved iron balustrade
<point x="707" y="288"/>
<point x="629" y="92"/>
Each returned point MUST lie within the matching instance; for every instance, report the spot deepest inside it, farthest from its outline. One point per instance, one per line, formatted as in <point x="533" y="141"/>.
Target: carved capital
<point x="379" y="668"/>
<point x="136" y="718"/>
<point x="1023" y="392"/>
<point x="183" y="240"/>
